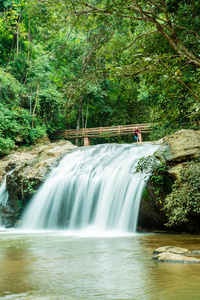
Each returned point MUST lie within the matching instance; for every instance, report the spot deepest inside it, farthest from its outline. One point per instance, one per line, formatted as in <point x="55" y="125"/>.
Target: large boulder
<point x="180" y="146"/>
<point x="176" y="151"/>
<point x="26" y="170"/>
<point x="151" y="217"/>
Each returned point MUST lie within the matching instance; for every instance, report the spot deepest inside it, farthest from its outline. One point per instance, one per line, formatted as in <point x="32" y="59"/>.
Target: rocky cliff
<point x="176" y="151"/>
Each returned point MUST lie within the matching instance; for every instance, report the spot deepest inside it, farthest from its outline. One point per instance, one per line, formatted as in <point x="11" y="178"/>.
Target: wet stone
<point x="175" y="255"/>
<point x="176" y="250"/>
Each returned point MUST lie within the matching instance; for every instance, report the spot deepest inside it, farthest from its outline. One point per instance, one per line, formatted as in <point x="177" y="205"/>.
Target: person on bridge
<point x="136" y="134"/>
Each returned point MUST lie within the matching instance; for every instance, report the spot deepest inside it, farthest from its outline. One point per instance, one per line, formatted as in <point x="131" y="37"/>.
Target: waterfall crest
<point x="92" y="186"/>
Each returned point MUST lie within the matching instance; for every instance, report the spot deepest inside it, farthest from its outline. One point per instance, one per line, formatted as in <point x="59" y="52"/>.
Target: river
<point x="88" y="265"/>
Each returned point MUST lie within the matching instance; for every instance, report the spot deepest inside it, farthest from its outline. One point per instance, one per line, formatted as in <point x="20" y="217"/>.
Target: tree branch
<point x="180" y="80"/>
<point x="139" y="36"/>
<point x="191" y="31"/>
<point x="156" y="5"/>
<point x="167" y="15"/>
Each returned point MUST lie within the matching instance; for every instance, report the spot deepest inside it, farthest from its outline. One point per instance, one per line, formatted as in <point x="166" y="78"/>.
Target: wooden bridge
<point x="102" y="132"/>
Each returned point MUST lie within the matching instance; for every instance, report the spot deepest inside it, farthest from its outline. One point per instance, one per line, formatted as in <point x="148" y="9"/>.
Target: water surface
<point x="76" y="265"/>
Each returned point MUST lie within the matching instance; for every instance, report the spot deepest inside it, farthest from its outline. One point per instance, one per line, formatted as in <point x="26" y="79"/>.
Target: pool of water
<point x="70" y="265"/>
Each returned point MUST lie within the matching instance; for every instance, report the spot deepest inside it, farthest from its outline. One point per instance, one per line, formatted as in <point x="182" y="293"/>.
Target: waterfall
<point x="3" y="196"/>
<point x="3" y="192"/>
<point x="91" y="187"/>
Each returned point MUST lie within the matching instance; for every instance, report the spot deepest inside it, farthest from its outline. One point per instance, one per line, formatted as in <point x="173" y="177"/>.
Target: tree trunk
<point x="86" y="116"/>
<point x="17" y="40"/>
<point x="78" y="119"/>
<point x="36" y="101"/>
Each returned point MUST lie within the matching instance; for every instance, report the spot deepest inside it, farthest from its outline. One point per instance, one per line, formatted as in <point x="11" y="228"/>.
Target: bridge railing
<point x="103" y="131"/>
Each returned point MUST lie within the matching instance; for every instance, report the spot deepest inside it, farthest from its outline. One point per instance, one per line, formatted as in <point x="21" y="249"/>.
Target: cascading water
<point x="3" y="193"/>
<point x="3" y="196"/>
<point x="91" y="187"/>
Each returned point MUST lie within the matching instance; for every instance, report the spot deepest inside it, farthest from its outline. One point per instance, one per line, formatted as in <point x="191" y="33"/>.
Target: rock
<point x="176" y="170"/>
<point x="18" y="138"/>
<point x="36" y="158"/>
<point x="175" y="254"/>
<point x="176" y="151"/>
<point x="175" y="258"/>
<point x="30" y="167"/>
<point x="150" y="215"/>
<point x="180" y="146"/>
<point x="158" y="142"/>
<point x="176" y="250"/>
<point x="43" y="140"/>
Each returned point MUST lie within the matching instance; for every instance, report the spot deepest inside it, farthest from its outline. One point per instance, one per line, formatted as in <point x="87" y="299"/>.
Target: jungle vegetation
<point x="73" y="64"/>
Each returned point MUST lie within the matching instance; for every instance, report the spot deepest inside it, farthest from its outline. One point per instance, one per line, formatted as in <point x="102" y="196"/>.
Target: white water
<point x="3" y="192"/>
<point x="3" y="196"/>
<point x="92" y="188"/>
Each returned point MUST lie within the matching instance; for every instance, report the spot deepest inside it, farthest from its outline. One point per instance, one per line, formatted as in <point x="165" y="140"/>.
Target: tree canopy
<point x="72" y="64"/>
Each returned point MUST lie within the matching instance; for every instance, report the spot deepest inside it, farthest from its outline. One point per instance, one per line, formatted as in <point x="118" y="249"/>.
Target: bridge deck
<point x="99" y="132"/>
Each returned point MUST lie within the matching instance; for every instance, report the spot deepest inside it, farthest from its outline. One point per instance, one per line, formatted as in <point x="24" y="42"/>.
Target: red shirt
<point x="136" y="132"/>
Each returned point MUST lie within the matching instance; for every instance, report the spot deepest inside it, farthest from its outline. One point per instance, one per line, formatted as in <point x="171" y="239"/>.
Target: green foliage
<point x="10" y="89"/>
<point x="15" y="121"/>
<point x="147" y="164"/>
<point x="184" y="200"/>
<point x="183" y="195"/>
<point x="161" y="130"/>
<point x="145" y="194"/>
<point x="29" y="187"/>
<point x="19" y="203"/>
<point x="160" y="180"/>
<point x="36" y="133"/>
<point x="14" y="126"/>
<point x="6" y="145"/>
<point x="60" y="69"/>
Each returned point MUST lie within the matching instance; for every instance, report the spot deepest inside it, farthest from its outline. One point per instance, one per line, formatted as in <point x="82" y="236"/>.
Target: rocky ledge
<point x="180" y="146"/>
<point x="176" y="255"/>
<point x="25" y="170"/>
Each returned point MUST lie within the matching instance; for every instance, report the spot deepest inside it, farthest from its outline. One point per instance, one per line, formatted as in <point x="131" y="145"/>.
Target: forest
<point x="75" y="64"/>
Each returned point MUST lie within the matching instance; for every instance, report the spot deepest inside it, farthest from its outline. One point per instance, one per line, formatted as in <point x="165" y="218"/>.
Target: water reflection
<point x="56" y="266"/>
<point x="15" y="266"/>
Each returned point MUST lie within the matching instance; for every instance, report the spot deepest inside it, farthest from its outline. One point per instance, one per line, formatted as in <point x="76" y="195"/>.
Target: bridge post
<point x="86" y="140"/>
<point x="140" y="136"/>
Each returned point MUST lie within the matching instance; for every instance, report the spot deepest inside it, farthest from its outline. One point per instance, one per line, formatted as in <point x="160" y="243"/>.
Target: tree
<point x="154" y="41"/>
<point x="164" y="16"/>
